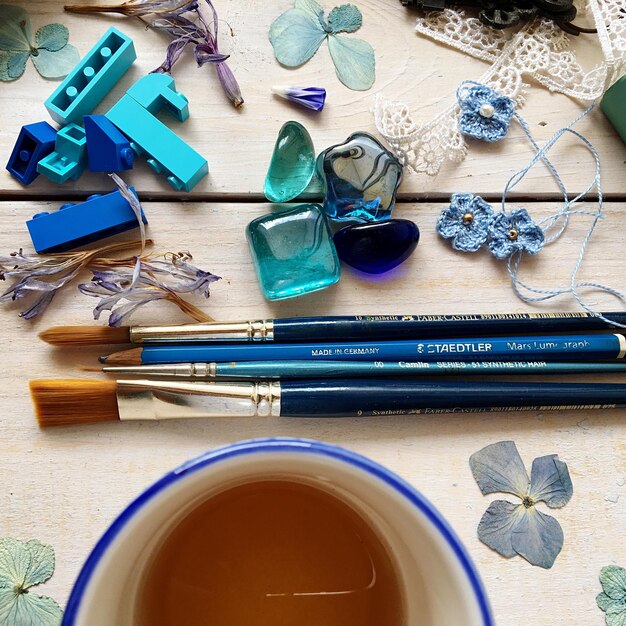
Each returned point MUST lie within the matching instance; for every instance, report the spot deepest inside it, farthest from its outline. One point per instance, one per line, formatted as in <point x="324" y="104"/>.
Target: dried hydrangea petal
<point x="496" y="526"/>
<point x="550" y="481"/>
<point x="499" y="468"/>
<point x="613" y="580"/>
<point x="538" y="538"/>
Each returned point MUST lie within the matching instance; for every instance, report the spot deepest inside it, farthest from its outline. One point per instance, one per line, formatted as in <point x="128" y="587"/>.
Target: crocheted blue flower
<point x="514" y="232"/>
<point x="485" y="114"/>
<point x="466" y="221"/>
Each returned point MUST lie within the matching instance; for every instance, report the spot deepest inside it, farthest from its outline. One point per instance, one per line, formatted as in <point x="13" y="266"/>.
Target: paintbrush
<point x="548" y="348"/>
<point x="281" y="370"/>
<point x="344" y="328"/>
<point x="72" y="402"/>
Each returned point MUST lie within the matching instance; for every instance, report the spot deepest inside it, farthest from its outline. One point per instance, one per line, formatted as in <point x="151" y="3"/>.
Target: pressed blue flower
<point x="485" y="114"/>
<point x="515" y="232"/>
<point x="308" y="97"/>
<point x="466" y="221"/>
<point x="521" y="528"/>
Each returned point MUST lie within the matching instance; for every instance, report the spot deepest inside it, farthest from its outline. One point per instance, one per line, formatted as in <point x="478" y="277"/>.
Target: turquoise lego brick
<point x="157" y="92"/>
<point x="90" y="81"/>
<point x="165" y="152"/>
<point x="69" y="158"/>
<point x="613" y="105"/>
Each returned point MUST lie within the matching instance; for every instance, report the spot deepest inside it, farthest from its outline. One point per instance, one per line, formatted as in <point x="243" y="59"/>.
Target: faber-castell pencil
<point x="68" y="402"/>
<point x="280" y="370"/>
<point x="346" y="328"/>
<point x="545" y="348"/>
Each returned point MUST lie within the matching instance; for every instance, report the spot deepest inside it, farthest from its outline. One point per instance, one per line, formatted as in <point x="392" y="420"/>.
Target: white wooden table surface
<point x="65" y="486"/>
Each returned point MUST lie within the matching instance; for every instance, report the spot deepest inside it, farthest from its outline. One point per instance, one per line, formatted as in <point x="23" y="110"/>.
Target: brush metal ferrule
<point x="152" y="400"/>
<point x="258" y="330"/>
<point x="202" y="371"/>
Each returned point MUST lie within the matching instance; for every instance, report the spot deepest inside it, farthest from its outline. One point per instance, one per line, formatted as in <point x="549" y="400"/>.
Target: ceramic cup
<point x="441" y="585"/>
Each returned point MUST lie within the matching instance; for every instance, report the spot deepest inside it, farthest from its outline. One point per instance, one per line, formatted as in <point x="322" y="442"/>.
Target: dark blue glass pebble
<point x="377" y="248"/>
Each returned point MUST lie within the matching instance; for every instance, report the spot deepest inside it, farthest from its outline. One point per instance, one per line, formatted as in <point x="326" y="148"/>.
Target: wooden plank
<point x="65" y="486"/>
<point x="238" y="144"/>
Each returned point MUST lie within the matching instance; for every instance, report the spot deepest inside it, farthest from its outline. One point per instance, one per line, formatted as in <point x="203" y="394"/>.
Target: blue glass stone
<point x="293" y="252"/>
<point x="360" y="179"/>
<point x="377" y="248"/>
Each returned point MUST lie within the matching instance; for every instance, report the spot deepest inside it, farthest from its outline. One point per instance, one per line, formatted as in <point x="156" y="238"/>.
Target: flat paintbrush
<point x="342" y="328"/>
<point x="70" y="402"/>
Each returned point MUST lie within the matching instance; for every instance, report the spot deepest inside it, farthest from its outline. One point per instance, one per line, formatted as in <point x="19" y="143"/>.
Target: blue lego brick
<point x="69" y="158"/>
<point x="107" y="149"/>
<point x="34" y="142"/>
<point x="165" y="152"/>
<point x="93" y="77"/>
<point x="75" y="225"/>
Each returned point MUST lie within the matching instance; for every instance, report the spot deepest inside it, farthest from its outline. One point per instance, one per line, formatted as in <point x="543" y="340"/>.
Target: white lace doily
<point x="539" y="51"/>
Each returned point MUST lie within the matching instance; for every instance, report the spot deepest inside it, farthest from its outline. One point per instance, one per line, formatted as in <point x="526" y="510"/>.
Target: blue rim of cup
<point x="279" y="444"/>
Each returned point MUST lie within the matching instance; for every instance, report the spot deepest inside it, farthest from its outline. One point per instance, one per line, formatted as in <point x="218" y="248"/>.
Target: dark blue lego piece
<point x="34" y="142"/>
<point x="107" y="149"/>
<point x="75" y="225"/>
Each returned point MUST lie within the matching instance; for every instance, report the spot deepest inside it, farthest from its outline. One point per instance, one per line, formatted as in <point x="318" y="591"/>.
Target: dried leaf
<point x="345" y="19"/>
<point x="550" y="481"/>
<point x="22" y="566"/>
<point x="499" y="468"/>
<point x="295" y="37"/>
<point x="15" y="32"/>
<point x="52" y="37"/>
<point x="56" y="64"/>
<point x="613" y="580"/>
<point x="354" y="61"/>
<point x="297" y="34"/>
<point x="12" y="65"/>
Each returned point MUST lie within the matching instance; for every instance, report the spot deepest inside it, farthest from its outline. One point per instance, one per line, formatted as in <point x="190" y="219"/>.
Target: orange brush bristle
<point x="71" y="402"/>
<point x="85" y="335"/>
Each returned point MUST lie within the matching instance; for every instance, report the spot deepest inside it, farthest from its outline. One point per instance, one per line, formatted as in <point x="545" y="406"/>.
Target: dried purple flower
<point x="42" y="276"/>
<point x="129" y="286"/>
<point x="308" y="97"/>
<point x="186" y="22"/>
<point x="132" y="8"/>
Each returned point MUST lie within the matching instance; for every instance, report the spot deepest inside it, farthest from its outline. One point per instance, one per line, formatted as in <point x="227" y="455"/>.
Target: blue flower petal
<point x="496" y="526"/>
<point x="550" y="481"/>
<point x="538" y="538"/>
<point x="470" y="238"/>
<point x="498" y="467"/>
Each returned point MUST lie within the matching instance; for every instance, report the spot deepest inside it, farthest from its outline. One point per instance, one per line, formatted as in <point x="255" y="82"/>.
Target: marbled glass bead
<point x="292" y="165"/>
<point x="377" y="248"/>
<point x="360" y="179"/>
<point x="293" y="252"/>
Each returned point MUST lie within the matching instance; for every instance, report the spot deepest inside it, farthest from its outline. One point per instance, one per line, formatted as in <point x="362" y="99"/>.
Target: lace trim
<point x="539" y="51"/>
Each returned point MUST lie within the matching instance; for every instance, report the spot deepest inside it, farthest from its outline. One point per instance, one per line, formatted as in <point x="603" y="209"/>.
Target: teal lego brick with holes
<point x="90" y="81"/>
<point x="166" y="153"/>
<point x="69" y="159"/>
<point x="614" y="106"/>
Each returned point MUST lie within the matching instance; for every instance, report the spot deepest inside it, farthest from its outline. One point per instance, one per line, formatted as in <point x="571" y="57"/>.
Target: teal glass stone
<point x="293" y="252"/>
<point x="292" y="165"/>
<point x="360" y="178"/>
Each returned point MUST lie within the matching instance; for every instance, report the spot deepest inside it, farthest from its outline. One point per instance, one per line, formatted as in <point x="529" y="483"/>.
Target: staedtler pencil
<point x="281" y="370"/>
<point x="545" y="348"/>
<point x="342" y="328"/>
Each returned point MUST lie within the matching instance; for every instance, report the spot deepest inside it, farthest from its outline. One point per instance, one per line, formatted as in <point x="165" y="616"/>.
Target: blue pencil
<point x="545" y="348"/>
